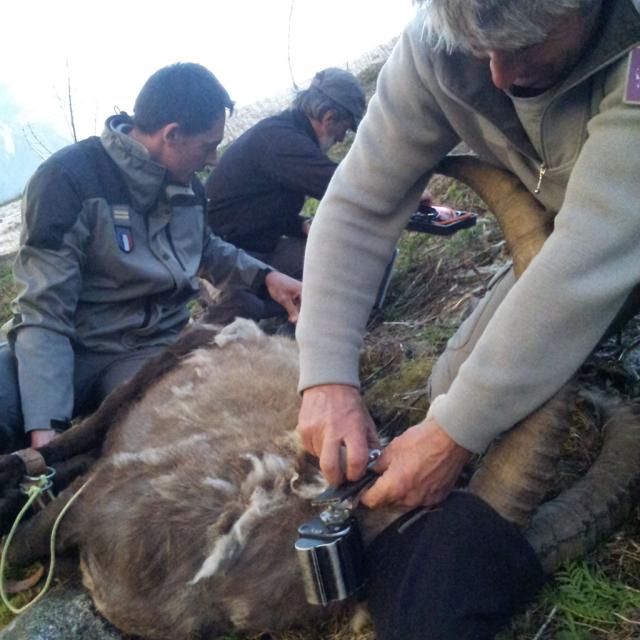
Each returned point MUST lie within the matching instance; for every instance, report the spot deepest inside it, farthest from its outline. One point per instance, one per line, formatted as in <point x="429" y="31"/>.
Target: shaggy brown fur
<point x="187" y="527"/>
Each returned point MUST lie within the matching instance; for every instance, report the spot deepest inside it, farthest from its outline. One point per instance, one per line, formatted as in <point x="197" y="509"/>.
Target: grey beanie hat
<point x="343" y="88"/>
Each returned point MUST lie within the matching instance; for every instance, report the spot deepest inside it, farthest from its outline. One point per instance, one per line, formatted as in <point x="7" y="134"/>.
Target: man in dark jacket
<point x="258" y="188"/>
<point x="114" y="236"/>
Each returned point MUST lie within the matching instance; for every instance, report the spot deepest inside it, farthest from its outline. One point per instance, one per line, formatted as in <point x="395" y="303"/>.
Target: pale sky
<point x="110" y="48"/>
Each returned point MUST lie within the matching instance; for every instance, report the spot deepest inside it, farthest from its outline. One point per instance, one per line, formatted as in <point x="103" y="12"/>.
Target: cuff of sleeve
<point x="454" y="421"/>
<point x="321" y="366"/>
<point x="303" y="221"/>
<point x="258" y="285"/>
<point x="42" y="424"/>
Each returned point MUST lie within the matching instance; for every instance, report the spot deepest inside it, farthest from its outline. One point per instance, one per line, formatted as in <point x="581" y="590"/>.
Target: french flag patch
<point x="122" y="223"/>
<point x="125" y="239"/>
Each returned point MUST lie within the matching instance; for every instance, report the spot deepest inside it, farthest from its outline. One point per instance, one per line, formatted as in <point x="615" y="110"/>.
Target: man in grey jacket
<point x="549" y="90"/>
<point x="114" y="236"/>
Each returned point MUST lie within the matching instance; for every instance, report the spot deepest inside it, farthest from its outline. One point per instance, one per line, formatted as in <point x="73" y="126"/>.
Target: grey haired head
<point x="332" y="89"/>
<point x="480" y="25"/>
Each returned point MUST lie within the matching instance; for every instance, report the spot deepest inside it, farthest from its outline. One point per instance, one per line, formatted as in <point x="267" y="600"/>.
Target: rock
<point x="65" y="613"/>
<point x="10" y="221"/>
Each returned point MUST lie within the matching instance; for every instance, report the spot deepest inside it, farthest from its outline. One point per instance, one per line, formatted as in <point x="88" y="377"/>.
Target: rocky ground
<point x="9" y="227"/>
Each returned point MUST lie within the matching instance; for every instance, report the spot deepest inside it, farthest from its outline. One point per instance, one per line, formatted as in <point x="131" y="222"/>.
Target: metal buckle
<point x="44" y="482"/>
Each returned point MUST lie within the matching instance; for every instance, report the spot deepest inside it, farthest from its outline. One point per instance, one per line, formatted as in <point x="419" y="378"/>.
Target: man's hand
<point x="306" y="226"/>
<point x="333" y="416"/>
<point x="426" y="201"/>
<point x="419" y="468"/>
<point x="40" y="437"/>
<point x="285" y="291"/>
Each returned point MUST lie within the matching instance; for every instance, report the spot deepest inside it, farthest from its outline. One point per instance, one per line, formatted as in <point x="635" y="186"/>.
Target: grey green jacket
<point x="109" y="256"/>
<point x="424" y="105"/>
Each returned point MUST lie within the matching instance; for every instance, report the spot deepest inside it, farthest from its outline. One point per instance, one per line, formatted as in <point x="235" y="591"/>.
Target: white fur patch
<point x="270" y="466"/>
<point x="225" y="548"/>
<point x="239" y="612"/>
<point x="261" y="504"/>
<point x="360" y="619"/>
<point x="187" y="390"/>
<point x="240" y="330"/>
<point x="219" y="483"/>
<point x="199" y="362"/>
<point x="229" y="546"/>
<point x="308" y="490"/>
<point x="155" y="455"/>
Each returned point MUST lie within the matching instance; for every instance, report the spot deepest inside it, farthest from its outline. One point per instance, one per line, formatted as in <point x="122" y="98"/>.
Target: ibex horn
<point x="519" y="469"/>
<point x="585" y="514"/>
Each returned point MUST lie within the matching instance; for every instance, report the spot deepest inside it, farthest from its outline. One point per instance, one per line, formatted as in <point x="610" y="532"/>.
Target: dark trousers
<point x="238" y="301"/>
<point x="95" y="375"/>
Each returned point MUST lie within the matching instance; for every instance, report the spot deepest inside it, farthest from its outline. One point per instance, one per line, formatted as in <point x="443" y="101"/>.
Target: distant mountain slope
<point x="22" y="147"/>
<point x="366" y="67"/>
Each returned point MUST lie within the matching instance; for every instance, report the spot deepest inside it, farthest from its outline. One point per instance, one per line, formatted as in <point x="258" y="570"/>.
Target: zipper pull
<point x="541" y="172"/>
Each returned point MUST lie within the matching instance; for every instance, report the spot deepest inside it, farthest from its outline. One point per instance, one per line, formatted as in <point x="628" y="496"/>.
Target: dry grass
<point x="8" y="290"/>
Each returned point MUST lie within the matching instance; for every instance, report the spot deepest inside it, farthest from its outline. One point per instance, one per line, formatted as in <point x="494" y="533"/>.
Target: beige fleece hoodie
<point x="553" y="317"/>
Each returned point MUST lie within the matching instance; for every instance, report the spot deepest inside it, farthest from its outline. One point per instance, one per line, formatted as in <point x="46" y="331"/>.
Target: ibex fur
<point x="186" y="528"/>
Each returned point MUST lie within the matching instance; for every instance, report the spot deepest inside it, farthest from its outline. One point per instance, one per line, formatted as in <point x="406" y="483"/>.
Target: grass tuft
<point x="587" y="600"/>
<point x="8" y="291"/>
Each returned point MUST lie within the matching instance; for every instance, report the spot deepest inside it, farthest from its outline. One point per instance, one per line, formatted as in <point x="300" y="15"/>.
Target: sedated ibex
<point x="186" y="528"/>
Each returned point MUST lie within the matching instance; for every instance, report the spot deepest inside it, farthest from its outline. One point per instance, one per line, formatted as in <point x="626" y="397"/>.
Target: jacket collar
<point x="468" y="79"/>
<point x="618" y="32"/>
<point x="143" y="177"/>
<point x="302" y="122"/>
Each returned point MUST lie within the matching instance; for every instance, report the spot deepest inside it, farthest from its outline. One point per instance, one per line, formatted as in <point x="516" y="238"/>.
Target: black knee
<point x="12" y="434"/>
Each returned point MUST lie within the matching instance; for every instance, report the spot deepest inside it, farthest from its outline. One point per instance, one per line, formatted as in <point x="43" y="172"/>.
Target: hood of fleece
<point x="143" y="177"/>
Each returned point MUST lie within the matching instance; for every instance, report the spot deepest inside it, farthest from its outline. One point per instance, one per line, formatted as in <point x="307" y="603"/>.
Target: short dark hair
<point x="186" y="93"/>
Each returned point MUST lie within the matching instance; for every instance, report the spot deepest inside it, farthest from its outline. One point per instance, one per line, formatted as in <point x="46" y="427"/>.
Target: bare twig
<point x="627" y="620"/>
<point x="70" y="105"/>
<point x="380" y="369"/>
<point x="293" y="81"/>
<point x="31" y="136"/>
<point x="546" y="623"/>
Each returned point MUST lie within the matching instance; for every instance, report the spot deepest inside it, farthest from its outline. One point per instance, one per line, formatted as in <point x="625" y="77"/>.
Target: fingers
<point x="372" y="437"/>
<point x="426" y="201"/>
<point x="333" y="417"/>
<point x="395" y="487"/>
<point x="330" y="462"/>
<point x="310" y="436"/>
<point x="292" y="305"/>
<point x="357" y="456"/>
<point x="419" y="468"/>
<point x="382" y="491"/>
<point x="285" y="291"/>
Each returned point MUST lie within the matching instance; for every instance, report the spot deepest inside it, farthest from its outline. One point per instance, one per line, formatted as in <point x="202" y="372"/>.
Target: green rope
<point x="33" y="493"/>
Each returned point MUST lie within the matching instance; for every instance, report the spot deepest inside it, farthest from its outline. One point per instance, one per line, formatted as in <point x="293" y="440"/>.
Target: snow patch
<point x="9" y="227"/>
<point x="6" y="139"/>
